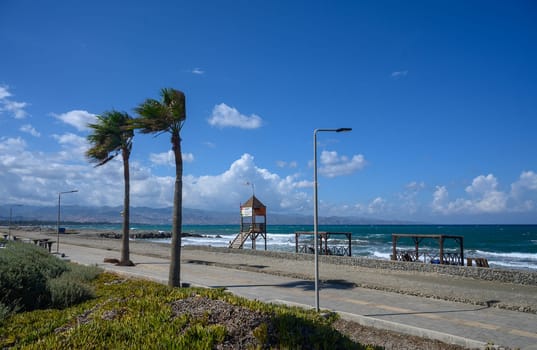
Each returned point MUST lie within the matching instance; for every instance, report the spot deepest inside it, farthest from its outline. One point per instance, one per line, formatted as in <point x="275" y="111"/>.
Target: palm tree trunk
<point x="125" y="251"/>
<point x="174" y="278"/>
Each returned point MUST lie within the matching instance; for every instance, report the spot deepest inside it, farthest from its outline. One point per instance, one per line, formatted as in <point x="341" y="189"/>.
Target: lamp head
<point x="343" y="129"/>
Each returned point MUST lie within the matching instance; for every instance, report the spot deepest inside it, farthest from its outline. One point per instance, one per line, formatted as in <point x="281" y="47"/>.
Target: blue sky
<point x="441" y="96"/>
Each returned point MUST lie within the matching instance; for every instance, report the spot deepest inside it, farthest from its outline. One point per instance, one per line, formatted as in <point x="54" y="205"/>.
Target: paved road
<point x="463" y="324"/>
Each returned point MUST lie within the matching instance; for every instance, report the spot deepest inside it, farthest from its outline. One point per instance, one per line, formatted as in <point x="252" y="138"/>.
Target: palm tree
<point x="112" y="135"/>
<point x="168" y="115"/>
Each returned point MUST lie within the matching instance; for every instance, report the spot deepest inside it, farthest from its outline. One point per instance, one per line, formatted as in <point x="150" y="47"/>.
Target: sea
<point x="504" y="246"/>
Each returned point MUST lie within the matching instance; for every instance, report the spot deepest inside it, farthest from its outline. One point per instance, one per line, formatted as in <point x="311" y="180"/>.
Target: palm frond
<point x="110" y="135"/>
<point x="166" y="115"/>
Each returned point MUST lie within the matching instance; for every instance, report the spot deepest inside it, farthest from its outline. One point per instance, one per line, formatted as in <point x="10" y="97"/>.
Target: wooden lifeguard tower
<point x="253" y="223"/>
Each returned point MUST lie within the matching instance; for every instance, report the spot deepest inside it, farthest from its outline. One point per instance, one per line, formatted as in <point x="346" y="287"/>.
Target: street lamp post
<point x="58" y="223"/>
<point x="10" y="218"/>
<point x="316" y="209"/>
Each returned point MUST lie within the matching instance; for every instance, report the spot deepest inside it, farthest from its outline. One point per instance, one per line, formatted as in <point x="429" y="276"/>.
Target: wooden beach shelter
<point x="253" y="223"/>
<point x="325" y="248"/>
<point x="439" y="257"/>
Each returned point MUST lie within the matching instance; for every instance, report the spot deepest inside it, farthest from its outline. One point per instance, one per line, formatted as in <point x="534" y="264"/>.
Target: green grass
<point x="46" y="303"/>
<point x="137" y="314"/>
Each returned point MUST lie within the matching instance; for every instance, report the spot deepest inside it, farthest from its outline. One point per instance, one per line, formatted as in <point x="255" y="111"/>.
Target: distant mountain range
<point x="162" y="216"/>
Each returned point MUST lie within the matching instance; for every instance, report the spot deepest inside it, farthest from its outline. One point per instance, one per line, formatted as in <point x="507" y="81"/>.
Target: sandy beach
<point x="510" y="296"/>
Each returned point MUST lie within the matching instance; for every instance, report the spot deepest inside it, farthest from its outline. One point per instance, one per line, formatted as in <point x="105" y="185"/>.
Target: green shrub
<point x="4" y="312"/>
<point x="83" y="273"/>
<point x="200" y="337"/>
<point x="24" y="270"/>
<point x="23" y="253"/>
<point x="30" y="279"/>
<point x="68" y="290"/>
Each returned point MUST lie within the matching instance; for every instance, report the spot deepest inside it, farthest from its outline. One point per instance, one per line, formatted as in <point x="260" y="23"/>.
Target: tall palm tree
<point x="168" y="115"/>
<point x="112" y="135"/>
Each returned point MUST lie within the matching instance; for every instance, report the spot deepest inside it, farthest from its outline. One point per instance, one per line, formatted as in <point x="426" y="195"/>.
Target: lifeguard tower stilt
<point x="253" y="224"/>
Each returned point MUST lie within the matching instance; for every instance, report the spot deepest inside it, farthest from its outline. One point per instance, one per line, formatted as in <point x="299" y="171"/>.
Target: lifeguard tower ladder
<point x="253" y="223"/>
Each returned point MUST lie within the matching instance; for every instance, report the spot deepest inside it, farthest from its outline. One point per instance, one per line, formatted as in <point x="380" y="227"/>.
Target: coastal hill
<point x="162" y="216"/>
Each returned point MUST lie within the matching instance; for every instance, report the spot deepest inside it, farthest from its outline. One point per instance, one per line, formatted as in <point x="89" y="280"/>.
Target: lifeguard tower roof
<point x="254" y="202"/>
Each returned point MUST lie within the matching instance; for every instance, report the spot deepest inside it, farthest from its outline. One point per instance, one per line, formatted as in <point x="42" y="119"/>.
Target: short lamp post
<point x="316" y="209"/>
<point x="58" y="223"/>
<point x="10" y="218"/>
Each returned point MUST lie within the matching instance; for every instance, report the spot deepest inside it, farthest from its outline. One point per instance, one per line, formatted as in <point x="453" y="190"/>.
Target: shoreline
<point x="374" y="242"/>
<point x="436" y="282"/>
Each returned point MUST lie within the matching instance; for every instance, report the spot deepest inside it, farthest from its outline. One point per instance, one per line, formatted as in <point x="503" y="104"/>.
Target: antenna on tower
<point x="248" y="183"/>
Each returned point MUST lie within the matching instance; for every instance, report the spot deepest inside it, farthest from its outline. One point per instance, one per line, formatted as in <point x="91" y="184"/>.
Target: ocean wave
<point x="381" y="255"/>
<point x="515" y="265"/>
<point x="276" y="239"/>
<point x="376" y="235"/>
<point x="206" y="242"/>
<point x="510" y="255"/>
<point x="282" y="235"/>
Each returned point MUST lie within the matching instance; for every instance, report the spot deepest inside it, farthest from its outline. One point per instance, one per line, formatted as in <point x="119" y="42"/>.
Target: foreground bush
<point x="31" y="278"/>
<point x="66" y="291"/>
<point x="4" y="312"/>
<point x="24" y="271"/>
<point x="82" y="273"/>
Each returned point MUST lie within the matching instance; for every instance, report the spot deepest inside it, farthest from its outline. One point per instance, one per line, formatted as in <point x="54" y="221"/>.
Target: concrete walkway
<point x="463" y="324"/>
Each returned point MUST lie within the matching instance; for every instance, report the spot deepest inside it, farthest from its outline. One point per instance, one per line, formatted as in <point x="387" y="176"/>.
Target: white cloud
<point x="482" y="184"/>
<point x="484" y="198"/>
<point x="14" y="108"/>
<point x="70" y="139"/>
<point x="74" y="146"/>
<point x="34" y="177"/>
<point x="30" y="130"/>
<point x="526" y="182"/>
<point x="198" y="71"/>
<point x="524" y="192"/>
<point x="167" y="158"/>
<point x="440" y="198"/>
<point x="226" y="190"/>
<point x="77" y="118"/>
<point x="304" y="184"/>
<point x="409" y="197"/>
<point x="4" y="92"/>
<point x="377" y="205"/>
<point x="415" y="186"/>
<point x="332" y="165"/>
<point x="284" y="164"/>
<point x="12" y="145"/>
<point x="30" y="177"/>
<point x="399" y="74"/>
<point x="164" y="158"/>
<point x="188" y="157"/>
<point x="225" y="116"/>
